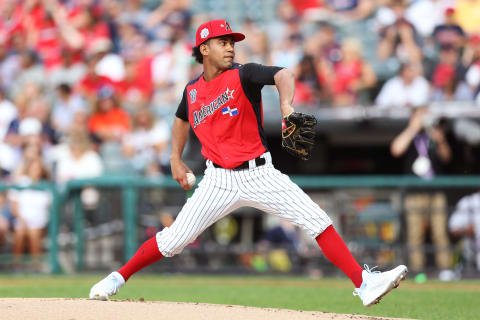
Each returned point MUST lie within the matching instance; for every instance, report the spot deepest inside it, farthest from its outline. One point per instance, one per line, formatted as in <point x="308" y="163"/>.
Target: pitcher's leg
<point x="275" y="193"/>
<point x="210" y="202"/>
<point x="214" y="198"/>
<point x="199" y="212"/>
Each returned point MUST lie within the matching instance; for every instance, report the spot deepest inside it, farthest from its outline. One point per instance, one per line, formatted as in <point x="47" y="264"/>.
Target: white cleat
<point x="377" y="284"/>
<point x="107" y="287"/>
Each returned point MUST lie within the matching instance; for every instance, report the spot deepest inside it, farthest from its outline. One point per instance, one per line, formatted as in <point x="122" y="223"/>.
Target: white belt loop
<point x="251" y="164"/>
<point x="267" y="156"/>
<point x="209" y="163"/>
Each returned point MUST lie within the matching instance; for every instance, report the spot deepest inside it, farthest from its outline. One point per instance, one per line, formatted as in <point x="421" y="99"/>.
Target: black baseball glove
<point x="298" y="134"/>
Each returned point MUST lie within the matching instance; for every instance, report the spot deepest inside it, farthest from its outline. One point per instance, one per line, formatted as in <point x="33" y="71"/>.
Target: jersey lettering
<point x="208" y="110"/>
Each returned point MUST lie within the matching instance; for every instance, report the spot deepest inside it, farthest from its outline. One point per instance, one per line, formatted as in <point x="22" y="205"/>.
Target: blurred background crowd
<point x="89" y="87"/>
<point x="98" y="80"/>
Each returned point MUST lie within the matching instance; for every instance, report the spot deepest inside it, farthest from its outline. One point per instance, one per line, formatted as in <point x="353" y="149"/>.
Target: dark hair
<point x="64" y="88"/>
<point x="197" y="54"/>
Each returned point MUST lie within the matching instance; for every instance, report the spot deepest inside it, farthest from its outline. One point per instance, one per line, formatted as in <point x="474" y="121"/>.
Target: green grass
<point x="431" y="300"/>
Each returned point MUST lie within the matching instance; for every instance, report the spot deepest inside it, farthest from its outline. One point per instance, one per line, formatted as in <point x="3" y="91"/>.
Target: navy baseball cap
<point x="216" y="28"/>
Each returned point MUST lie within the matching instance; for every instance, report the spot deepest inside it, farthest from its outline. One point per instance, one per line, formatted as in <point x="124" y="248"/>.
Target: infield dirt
<point x="83" y="309"/>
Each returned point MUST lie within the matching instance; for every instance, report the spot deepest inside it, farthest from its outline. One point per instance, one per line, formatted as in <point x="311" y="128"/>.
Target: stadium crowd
<point x="89" y="87"/>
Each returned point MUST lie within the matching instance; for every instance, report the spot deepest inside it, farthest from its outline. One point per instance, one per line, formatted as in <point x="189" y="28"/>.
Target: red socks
<point x="329" y="241"/>
<point x="337" y="252"/>
<point x="147" y="254"/>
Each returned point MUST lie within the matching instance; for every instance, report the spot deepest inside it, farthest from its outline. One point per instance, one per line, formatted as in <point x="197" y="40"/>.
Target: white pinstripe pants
<point x="221" y="191"/>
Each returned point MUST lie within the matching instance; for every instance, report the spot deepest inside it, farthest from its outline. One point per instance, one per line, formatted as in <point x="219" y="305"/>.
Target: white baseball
<point x="191" y="179"/>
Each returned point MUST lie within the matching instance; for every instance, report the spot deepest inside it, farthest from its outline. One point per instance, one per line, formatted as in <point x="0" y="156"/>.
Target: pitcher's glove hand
<point x="298" y="134"/>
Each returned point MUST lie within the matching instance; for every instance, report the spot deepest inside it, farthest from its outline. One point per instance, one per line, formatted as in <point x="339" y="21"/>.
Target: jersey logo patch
<point x="193" y="95"/>
<point x="209" y="109"/>
<point x="232" y="112"/>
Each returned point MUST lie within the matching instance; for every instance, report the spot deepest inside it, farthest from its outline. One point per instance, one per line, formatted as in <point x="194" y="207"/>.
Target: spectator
<point x="286" y="53"/>
<point x="66" y="105"/>
<point x="427" y="152"/>
<point x="88" y="24"/>
<point x="131" y="40"/>
<point x="170" y="15"/>
<point x="10" y="66"/>
<point x="170" y="67"/>
<point x="147" y="145"/>
<point x="134" y="91"/>
<point x="134" y="12"/>
<point x="31" y="150"/>
<point x="76" y="159"/>
<point x="279" y="233"/>
<point x="43" y="35"/>
<point x="108" y="121"/>
<point x="40" y="109"/>
<point x="279" y="28"/>
<point x="308" y="9"/>
<point x="110" y="64"/>
<point x="407" y="89"/>
<point x="22" y="132"/>
<point x="70" y="70"/>
<point x="256" y="48"/>
<point x="309" y="87"/>
<point x="92" y="82"/>
<point x="426" y="15"/>
<point x="399" y="39"/>
<point x="449" y="33"/>
<point x="351" y="10"/>
<point x="465" y="223"/>
<point x="446" y="82"/>
<point x="350" y="76"/>
<point x="32" y="73"/>
<point x="31" y="211"/>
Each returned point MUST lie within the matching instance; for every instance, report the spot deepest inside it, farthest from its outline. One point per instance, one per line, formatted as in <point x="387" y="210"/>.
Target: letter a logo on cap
<point x="204" y="33"/>
<point x="227" y="27"/>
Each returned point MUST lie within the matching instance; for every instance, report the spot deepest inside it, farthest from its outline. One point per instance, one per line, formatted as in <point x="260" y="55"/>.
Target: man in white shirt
<point x="465" y="222"/>
<point x="407" y="89"/>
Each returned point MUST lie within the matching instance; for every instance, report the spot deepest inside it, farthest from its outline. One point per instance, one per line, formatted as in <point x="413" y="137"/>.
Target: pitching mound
<point x="83" y="309"/>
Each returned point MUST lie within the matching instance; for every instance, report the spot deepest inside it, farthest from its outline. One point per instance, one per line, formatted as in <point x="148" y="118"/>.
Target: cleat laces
<point x="356" y="291"/>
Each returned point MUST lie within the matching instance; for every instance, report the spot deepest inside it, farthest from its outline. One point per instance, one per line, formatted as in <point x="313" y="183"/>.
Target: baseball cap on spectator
<point x="105" y="92"/>
<point x="449" y="11"/>
<point x="216" y="28"/>
<point x="29" y="126"/>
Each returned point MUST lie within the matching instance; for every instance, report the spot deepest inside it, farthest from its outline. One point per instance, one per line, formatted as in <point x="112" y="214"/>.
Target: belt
<point x="258" y="162"/>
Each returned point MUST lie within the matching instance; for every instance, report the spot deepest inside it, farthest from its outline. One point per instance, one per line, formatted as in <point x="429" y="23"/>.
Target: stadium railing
<point x="130" y="188"/>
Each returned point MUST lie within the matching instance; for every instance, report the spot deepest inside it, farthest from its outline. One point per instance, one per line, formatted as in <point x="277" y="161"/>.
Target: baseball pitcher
<point x="223" y="106"/>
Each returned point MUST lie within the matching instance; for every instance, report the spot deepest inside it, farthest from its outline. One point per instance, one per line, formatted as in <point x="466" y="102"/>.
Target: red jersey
<point x="226" y="113"/>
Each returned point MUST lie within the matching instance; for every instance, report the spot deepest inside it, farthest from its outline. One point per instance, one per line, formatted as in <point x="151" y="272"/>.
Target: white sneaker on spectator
<point x="377" y="284"/>
<point x="107" y="287"/>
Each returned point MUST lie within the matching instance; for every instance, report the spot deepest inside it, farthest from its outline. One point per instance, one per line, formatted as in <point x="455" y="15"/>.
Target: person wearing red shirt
<point x="92" y="82"/>
<point x="135" y="91"/>
<point x="223" y="106"/>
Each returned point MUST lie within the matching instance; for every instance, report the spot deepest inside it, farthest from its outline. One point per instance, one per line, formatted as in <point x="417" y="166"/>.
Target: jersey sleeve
<point x="182" y="112"/>
<point x="258" y="74"/>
